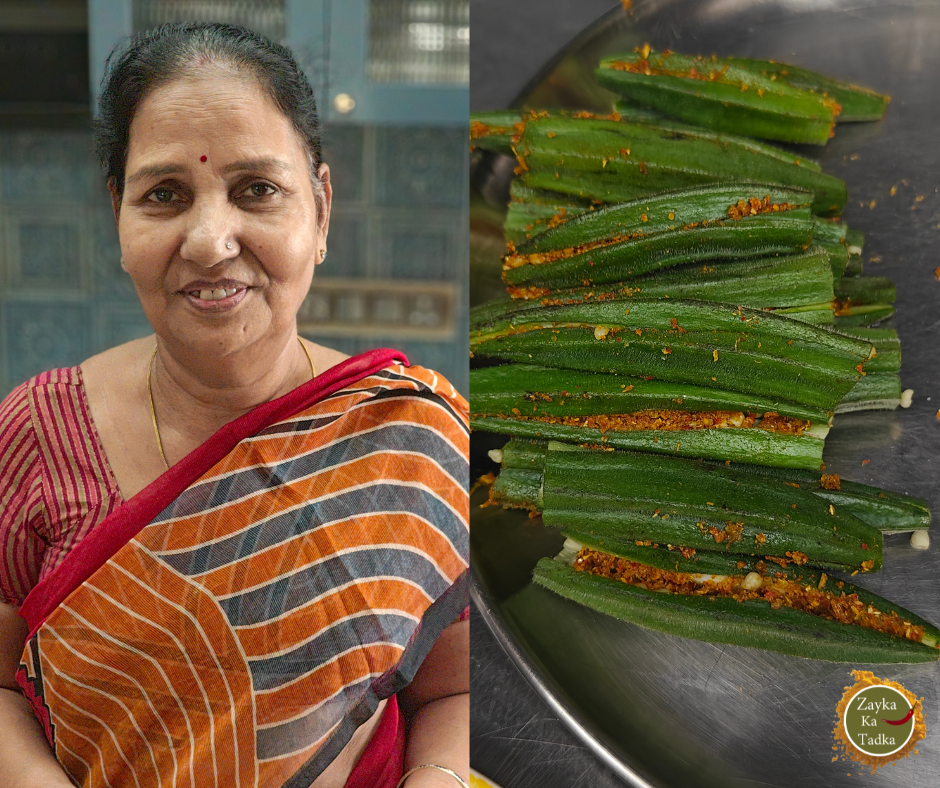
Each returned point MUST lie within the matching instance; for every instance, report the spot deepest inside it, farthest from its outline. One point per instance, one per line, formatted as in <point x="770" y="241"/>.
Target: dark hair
<point x="153" y="58"/>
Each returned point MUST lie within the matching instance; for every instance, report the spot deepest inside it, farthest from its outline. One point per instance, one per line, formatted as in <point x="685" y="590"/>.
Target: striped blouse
<point x="55" y="482"/>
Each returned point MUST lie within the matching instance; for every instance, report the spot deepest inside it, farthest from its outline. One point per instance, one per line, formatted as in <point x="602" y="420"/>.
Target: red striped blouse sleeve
<point x="21" y="511"/>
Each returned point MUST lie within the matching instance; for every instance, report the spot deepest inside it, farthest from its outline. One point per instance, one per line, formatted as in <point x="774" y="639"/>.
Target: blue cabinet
<point x="370" y="61"/>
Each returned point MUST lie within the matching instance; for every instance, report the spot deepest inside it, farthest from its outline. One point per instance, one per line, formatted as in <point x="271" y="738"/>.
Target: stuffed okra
<point x="702" y="343"/>
<point x="658" y="416"/>
<point x="625" y="241"/>
<point x="720" y="599"/>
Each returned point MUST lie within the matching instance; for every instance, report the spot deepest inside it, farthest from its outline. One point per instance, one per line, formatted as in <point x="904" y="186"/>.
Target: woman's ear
<point x="325" y="202"/>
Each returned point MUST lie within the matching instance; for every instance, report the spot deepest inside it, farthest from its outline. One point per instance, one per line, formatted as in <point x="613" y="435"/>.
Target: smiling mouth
<point x="214" y="295"/>
<point x="215" y="299"/>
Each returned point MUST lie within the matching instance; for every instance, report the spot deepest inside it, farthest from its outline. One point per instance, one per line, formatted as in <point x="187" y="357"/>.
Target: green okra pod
<point x="856" y="103"/>
<point x="854" y="266"/>
<point x="632" y="413"/>
<point x="859" y="290"/>
<point x="624" y="241"/>
<point x="698" y="342"/>
<point x="775" y="282"/>
<point x="632" y="113"/>
<point x="719" y="94"/>
<point x="889" y="512"/>
<point x="873" y="391"/>
<point x="723" y="619"/>
<point x="817" y="314"/>
<point x="494" y="131"/>
<point x="613" y="161"/>
<point x="855" y="241"/>
<point x="887" y="347"/>
<point x="518" y="488"/>
<point x="735" y="445"/>
<point x="624" y="497"/>
<point x="520" y="453"/>
<point x="719" y="567"/>
<point x="860" y="315"/>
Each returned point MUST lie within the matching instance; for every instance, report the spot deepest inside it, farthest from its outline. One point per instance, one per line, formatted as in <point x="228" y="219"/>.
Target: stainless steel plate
<point x="665" y="711"/>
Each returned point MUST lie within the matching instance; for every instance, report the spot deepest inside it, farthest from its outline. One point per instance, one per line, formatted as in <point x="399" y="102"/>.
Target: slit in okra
<point x="697" y="342"/>
<point x="632" y="413"/>
<point x="804" y="614"/>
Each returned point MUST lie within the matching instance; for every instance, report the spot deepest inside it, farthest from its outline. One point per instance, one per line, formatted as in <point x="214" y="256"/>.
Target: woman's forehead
<point x="217" y="110"/>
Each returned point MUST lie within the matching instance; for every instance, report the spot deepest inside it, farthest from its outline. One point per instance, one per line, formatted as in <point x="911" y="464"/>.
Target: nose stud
<point x="228" y="245"/>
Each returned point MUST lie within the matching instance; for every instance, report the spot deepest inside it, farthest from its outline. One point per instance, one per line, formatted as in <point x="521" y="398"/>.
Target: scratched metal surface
<point x="664" y="711"/>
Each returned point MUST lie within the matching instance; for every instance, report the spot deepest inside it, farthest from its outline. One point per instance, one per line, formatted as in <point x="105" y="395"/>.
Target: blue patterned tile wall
<point x="421" y="167"/>
<point x="40" y="335"/>
<point x="399" y="216"/>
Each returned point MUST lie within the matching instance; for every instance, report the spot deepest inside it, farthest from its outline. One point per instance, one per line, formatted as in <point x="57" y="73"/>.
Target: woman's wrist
<point x="433" y="776"/>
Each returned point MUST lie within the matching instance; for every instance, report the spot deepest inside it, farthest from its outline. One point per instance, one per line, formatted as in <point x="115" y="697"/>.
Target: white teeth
<point x="214" y="295"/>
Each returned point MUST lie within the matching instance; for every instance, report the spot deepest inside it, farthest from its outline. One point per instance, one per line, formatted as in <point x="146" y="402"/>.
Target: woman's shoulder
<point x="20" y="409"/>
<point x="109" y="363"/>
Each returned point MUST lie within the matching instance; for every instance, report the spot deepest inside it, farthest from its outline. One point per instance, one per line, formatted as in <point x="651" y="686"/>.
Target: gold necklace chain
<point x="153" y="412"/>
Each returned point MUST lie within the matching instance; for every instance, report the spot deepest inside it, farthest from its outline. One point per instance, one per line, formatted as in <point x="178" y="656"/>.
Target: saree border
<point x="443" y="612"/>
<point x="134" y="515"/>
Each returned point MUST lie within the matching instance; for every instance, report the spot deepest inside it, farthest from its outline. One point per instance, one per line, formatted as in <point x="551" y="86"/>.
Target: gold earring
<point x="322" y="255"/>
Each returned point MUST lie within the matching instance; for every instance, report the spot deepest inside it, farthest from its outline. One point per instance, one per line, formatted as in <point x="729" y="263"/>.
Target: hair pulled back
<point x="159" y="56"/>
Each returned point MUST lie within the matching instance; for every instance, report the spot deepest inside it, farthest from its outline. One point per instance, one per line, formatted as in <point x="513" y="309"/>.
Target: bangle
<point x="444" y="769"/>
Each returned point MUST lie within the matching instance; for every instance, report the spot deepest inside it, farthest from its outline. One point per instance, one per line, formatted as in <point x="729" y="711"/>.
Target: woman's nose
<point x="210" y="234"/>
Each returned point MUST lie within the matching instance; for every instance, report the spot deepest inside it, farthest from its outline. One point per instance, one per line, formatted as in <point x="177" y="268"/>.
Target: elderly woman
<point x="232" y="557"/>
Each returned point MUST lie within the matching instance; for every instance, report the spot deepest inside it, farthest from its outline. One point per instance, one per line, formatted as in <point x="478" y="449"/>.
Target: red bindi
<point x="203" y="158"/>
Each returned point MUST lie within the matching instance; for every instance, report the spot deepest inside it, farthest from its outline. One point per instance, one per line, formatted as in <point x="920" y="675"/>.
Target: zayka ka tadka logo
<point x="879" y="721"/>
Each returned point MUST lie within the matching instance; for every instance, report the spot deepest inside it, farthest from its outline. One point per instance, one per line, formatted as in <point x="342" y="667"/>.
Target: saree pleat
<point x="241" y="635"/>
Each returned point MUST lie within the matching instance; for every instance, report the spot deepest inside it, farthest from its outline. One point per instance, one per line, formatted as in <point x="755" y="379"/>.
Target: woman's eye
<point x="259" y="190"/>
<point x="162" y="195"/>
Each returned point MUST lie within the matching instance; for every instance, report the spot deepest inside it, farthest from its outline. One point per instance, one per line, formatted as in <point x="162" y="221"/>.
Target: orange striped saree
<point x="236" y="621"/>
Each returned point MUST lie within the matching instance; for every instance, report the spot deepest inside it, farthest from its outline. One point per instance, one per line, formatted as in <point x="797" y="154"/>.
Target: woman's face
<point x="219" y="224"/>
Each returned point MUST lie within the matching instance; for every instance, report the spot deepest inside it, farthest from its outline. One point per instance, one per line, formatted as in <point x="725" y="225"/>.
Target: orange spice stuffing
<point x="528" y="293"/>
<point x="830" y="481"/>
<point x="778" y="590"/>
<point x="754" y="206"/>
<point x="783" y="425"/>
<point x="863" y="679"/>
<point x="486" y="479"/>
<point x="671" y="420"/>
<point x="558" y="218"/>
<point x="515" y="260"/>
<point x="730" y="534"/>
<point x="479" y="130"/>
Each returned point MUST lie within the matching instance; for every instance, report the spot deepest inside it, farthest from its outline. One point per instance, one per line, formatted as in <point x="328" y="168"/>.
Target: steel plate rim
<point x="497" y="627"/>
